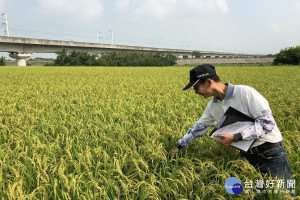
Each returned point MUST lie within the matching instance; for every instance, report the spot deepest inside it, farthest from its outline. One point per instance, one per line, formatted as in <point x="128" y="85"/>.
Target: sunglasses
<point x="196" y="86"/>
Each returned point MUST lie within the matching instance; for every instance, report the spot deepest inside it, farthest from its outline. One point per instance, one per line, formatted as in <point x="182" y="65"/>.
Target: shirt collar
<point x="229" y="92"/>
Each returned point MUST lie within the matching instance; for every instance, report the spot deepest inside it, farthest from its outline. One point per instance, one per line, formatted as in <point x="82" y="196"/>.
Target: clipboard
<point x="230" y="117"/>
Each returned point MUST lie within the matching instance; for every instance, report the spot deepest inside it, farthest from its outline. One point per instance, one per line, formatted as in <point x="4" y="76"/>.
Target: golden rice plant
<point x="105" y="132"/>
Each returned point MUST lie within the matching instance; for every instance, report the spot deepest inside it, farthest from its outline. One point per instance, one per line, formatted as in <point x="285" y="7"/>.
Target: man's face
<point x="203" y="89"/>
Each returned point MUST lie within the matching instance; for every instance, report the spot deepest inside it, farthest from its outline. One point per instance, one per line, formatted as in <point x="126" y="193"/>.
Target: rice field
<point x="106" y="132"/>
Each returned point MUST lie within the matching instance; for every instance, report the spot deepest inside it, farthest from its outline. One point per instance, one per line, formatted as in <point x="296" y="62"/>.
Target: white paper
<point x="234" y="128"/>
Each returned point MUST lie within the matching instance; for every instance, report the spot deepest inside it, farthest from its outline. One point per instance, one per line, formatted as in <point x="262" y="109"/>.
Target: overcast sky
<point x="242" y="26"/>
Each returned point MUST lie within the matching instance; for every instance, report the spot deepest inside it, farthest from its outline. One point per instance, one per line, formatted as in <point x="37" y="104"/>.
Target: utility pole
<point x="6" y="24"/>
<point x="160" y="42"/>
<point x="112" y="36"/>
<point x="97" y="35"/>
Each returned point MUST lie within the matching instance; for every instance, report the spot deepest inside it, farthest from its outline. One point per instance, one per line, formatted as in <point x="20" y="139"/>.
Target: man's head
<point x="200" y="74"/>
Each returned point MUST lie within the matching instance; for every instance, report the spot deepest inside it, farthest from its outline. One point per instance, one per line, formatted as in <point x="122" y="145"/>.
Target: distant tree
<point x="270" y="55"/>
<point x="288" y="56"/>
<point x="39" y="58"/>
<point x="2" y="61"/>
<point x="62" y="58"/>
<point x="75" y="58"/>
<point x="196" y="54"/>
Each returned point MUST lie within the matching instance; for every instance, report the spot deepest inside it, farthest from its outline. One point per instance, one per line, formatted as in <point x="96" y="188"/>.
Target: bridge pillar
<point x="20" y="57"/>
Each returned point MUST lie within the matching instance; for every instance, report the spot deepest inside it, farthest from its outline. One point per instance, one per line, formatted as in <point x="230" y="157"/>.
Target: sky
<point x="237" y="26"/>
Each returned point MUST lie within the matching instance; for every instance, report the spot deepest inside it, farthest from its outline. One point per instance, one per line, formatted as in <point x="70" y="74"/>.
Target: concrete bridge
<point x="22" y="48"/>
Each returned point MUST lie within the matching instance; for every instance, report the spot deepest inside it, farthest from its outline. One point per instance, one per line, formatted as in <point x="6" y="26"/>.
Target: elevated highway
<point x="22" y="48"/>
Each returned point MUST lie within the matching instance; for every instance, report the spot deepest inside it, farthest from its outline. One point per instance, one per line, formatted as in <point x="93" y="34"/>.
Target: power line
<point x="34" y="31"/>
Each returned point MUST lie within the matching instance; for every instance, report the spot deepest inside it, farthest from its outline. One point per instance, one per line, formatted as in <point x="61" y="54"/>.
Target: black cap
<point x="200" y="72"/>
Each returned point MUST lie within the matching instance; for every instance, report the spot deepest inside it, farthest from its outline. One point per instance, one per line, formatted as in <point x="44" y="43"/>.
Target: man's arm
<point x="225" y="139"/>
<point x="260" y="110"/>
<point x="262" y="126"/>
<point x="199" y="129"/>
<point x="191" y="135"/>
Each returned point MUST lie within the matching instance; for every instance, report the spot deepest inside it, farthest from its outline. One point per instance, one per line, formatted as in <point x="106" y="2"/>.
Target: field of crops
<point x="106" y="132"/>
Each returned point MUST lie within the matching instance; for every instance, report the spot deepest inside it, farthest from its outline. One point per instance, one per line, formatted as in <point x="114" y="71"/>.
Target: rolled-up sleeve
<point x="262" y="126"/>
<point x="199" y="129"/>
<point x="193" y="133"/>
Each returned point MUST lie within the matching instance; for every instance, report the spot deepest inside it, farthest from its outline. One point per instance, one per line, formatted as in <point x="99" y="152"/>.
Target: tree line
<point x="2" y="61"/>
<point x="288" y="56"/>
<point x="76" y="58"/>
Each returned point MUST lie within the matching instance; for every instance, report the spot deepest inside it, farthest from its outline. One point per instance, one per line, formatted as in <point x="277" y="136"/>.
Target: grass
<point x="105" y="133"/>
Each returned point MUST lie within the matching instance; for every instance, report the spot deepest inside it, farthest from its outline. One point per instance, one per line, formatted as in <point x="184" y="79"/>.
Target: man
<point x="267" y="154"/>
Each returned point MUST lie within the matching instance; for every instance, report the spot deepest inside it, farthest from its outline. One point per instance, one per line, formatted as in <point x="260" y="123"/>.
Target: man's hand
<point x="173" y="152"/>
<point x="224" y="139"/>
